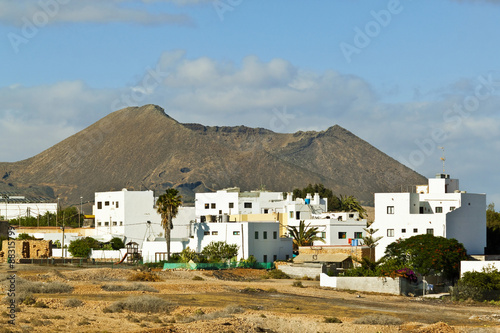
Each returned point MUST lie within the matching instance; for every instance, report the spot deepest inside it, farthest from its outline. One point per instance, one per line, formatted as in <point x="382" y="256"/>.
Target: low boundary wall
<point x="299" y="270"/>
<point x="397" y="286"/>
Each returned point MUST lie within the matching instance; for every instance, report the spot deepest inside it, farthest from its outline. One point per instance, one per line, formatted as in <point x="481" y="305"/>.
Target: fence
<point x="218" y="265"/>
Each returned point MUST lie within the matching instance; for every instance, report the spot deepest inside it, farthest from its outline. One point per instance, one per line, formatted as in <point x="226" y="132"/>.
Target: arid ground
<point x="224" y="301"/>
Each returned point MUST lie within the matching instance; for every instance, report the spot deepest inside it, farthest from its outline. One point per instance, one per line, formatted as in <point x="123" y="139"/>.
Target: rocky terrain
<point x="223" y="301"/>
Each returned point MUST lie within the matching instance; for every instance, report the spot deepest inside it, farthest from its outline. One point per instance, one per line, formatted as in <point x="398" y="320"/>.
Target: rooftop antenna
<point x="443" y="157"/>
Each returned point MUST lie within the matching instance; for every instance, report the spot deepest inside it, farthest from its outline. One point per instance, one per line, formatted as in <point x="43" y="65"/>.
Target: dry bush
<point x="333" y="320"/>
<point x="73" y="303"/>
<point x="276" y="274"/>
<point x="297" y="284"/>
<point x="136" y="286"/>
<point x="142" y="304"/>
<point x="198" y="278"/>
<point x="378" y="320"/>
<point x="199" y="314"/>
<point x="43" y="287"/>
<point x="145" y="276"/>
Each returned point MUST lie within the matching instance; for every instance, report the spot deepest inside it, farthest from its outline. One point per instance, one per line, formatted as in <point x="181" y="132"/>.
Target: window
<point x="452" y="208"/>
<point x="266" y="211"/>
<point x="121" y="222"/>
<point x="115" y="223"/>
<point x="421" y="210"/>
<point x="106" y="223"/>
<point x="231" y="205"/>
<point x="236" y="233"/>
<point x="297" y="215"/>
<point x="275" y="257"/>
<point x="275" y="235"/>
<point x="403" y="231"/>
<point x="358" y="235"/>
<point x="98" y="224"/>
<point x="215" y="233"/>
<point x="390" y="232"/>
<point x="207" y="206"/>
<point x="212" y="205"/>
<point x="291" y="214"/>
<point x="323" y="234"/>
<point x="256" y="235"/>
<point x="351" y="216"/>
<point x="390" y="209"/>
<point x="342" y="235"/>
<point x="247" y="205"/>
<point x="106" y="203"/>
<point x="99" y="205"/>
<point x="264" y="235"/>
<point x="206" y="233"/>
<point x="430" y="231"/>
<point x="439" y="209"/>
<point x="415" y="230"/>
<point x="117" y="204"/>
<point x="265" y="257"/>
<point x="220" y="211"/>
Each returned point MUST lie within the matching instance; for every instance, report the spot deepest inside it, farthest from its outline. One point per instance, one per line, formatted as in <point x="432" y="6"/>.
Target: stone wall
<point x="299" y="270"/>
<point x="357" y="252"/>
<point x="27" y="249"/>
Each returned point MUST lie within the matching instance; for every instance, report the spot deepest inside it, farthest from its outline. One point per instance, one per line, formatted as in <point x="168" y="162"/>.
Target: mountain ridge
<point x="143" y="147"/>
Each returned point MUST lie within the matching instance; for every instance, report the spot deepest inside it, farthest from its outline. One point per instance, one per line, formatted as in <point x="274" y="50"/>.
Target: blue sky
<point x="406" y="76"/>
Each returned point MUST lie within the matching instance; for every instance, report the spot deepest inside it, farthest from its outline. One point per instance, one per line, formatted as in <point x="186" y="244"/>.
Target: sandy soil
<point x="230" y="301"/>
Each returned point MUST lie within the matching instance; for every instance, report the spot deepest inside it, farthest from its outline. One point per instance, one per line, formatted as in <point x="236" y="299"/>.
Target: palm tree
<point x="351" y="204"/>
<point x="304" y="235"/>
<point x="168" y="206"/>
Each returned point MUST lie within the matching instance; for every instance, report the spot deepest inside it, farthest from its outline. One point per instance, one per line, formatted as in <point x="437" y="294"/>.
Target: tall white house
<point x="439" y="208"/>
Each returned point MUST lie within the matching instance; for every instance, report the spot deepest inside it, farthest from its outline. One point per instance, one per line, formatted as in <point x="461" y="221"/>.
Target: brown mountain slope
<point x="142" y="147"/>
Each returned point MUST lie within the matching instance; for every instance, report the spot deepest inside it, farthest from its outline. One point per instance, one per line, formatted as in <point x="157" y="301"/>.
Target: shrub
<point x="378" y="320"/>
<point x="298" y="284"/>
<point x="46" y="288"/>
<point x="198" y="278"/>
<point x="73" y="303"/>
<point x="145" y="276"/>
<point x="333" y="320"/>
<point x="276" y="274"/>
<point x="478" y="286"/>
<point x="142" y="304"/>
<point x="39" y="304"/>
<point x="82" y="247"/>
<point x="136" y="286"/>
<point x="117" y="243"/>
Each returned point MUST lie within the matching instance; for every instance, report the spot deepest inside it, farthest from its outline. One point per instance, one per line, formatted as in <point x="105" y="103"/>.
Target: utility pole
<point x="63" y="240"/>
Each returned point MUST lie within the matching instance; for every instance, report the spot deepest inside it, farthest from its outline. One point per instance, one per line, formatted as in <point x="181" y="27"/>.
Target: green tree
<point x="304" y="235"/>
<point x="168" y="206"/>
<point x="82" y="247"/>
<point x="220" y="251"/>
<point x="369" y="240"/>
<point x="333" y="200"/>
<point x="427" y="254"/>
<point x="117" y="243"/>
<point x="350" y="204"/>
<point x="492" y="230"/>
<point x="25" y="236"/>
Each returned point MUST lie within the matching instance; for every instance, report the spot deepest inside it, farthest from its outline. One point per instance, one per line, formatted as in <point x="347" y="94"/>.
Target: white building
<point x="439" y="208"/>
<point x="259" y="239"/>
<point x="339" y="228"/>
<point x="18" y="207"/>
<point x="132" y="216"/>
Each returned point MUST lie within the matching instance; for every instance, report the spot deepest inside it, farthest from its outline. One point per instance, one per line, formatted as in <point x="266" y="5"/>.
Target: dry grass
<point x="378" y="320"/>
<point x="136" y="286"/>
<point x="73" y="303"/>
<point x="145" y="276"/>
<point x="141" y="304"/>
<point x="199" y="314"/>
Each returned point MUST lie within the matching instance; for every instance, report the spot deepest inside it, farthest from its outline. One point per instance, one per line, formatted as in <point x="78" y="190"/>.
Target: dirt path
<point x="208" y="305"/>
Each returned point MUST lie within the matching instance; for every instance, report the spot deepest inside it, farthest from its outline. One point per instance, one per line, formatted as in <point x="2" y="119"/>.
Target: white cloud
<point x="41" y="13"/>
